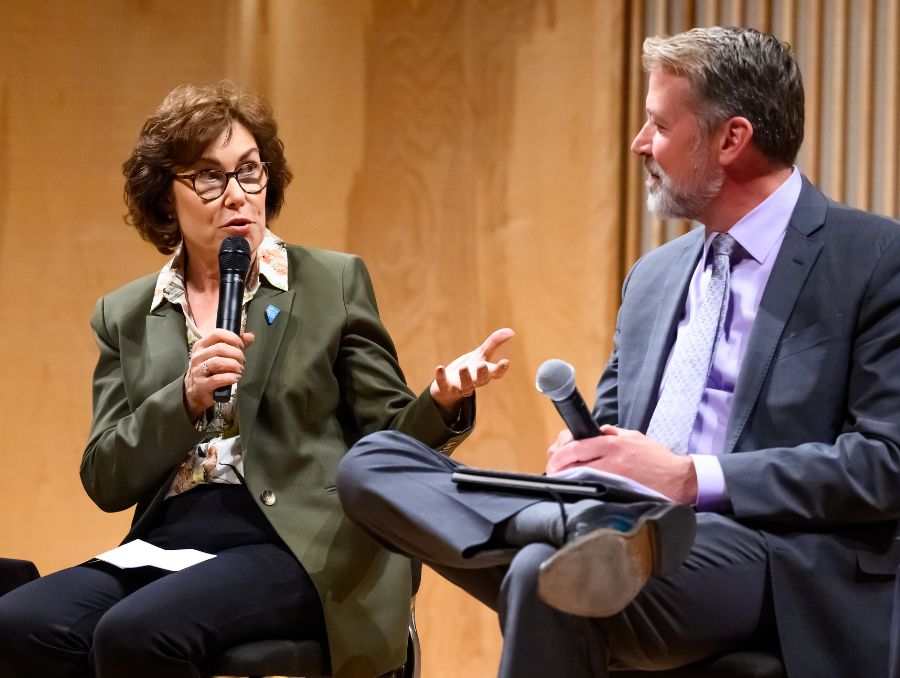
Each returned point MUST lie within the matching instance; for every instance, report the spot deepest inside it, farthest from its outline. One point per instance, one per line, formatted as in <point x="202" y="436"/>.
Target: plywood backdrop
<point x="468" y="150"/>
<point x="474" y="152"/>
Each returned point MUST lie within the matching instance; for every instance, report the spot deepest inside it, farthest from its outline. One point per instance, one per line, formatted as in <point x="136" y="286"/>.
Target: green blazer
<point x="320" y="376"/>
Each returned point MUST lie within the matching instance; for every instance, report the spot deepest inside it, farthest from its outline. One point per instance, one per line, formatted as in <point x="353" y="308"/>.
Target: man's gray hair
<point x="738" y="72"/>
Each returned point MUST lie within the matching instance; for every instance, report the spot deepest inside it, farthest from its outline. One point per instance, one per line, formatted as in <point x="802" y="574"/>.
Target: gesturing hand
<point x="469" y="371"/>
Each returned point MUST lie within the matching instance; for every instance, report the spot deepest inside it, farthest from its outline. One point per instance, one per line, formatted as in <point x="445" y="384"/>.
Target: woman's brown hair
<point x="189" y="119"/>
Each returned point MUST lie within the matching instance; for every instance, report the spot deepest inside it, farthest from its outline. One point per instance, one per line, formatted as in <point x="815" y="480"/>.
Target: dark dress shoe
<point x="610" y="552"/>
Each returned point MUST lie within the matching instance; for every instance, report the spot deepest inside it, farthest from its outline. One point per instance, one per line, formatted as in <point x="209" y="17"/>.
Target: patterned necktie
<point x="673" y="419"/>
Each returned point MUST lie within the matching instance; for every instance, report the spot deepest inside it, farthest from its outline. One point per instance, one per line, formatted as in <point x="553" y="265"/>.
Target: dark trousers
<point x="400" y="491"/>
<point x="97" y="620"/>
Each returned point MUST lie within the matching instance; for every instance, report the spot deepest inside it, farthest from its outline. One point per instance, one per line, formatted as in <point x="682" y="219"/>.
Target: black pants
<point x="95" y="619"/>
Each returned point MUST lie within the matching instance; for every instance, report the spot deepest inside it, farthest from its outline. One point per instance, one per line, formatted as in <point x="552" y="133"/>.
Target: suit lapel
<point x="795" y="260"/>
<point x="659" y="343"/>
<point x="166" y="355"/>
<point x="261" y="355"/>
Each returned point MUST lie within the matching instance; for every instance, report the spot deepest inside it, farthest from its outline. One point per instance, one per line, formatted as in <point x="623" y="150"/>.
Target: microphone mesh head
<point x="234" y="255"/>
<point x="555" y="379"/>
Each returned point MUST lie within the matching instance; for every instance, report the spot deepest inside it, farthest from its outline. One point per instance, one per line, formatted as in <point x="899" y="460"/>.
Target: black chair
<point x="299" y="658"/>
<point x="307" y="658"/>
<point x="14" y="573"/>
<point x="743" y="664"/>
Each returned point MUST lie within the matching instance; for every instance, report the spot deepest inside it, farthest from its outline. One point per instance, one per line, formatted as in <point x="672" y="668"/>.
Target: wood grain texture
<point x="474" y="152"/>
<point x="76" y="85"/>
<point x="867" y="47"/>
<point x="470" y="150"/>
<point x="835" y="176"/>
<point x="888" y="202"/>
<point x="485" y="199"/>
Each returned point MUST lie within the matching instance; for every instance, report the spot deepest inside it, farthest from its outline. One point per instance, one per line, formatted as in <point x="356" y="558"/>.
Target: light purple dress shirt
<point x="759" y="236"/>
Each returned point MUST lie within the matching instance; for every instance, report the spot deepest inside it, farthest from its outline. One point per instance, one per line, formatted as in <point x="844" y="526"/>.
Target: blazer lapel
<point x="795" y="260"/>
<point x="166" y="355"/>
<point x="659" y="343"/>
<point x="261" y="355"/>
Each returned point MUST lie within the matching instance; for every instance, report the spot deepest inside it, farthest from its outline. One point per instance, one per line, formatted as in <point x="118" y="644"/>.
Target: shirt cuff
<point x="712" y="495"/>
<point x="466" y="417"/>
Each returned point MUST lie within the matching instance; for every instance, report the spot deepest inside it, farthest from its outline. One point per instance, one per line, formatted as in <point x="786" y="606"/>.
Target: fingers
<point x="217" y="367"/>
<point x="216" y="360"/>
<point x="222" y="336"/>
<point x="575" y="453"/>
<point x="448" y="387"/>
<point x="483" y="372"/>
<point x="470" y="371"/>
<point x="552" y="466"/>
<point x="494" y="341"/>
<point x="480" y="374"/>
<point x="563" y="437"/>
<point x="227" y="347"/>
<point x="440" y="378"/>
<point x="466" y="381"/>
<point x="555" y="464"/>
<point x="565" y="456"/>
<point x="500" y="369"/>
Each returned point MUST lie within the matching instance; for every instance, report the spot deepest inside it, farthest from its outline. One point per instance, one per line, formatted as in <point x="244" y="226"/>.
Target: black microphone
<point x="556" y="380"/>
<point x="234" y="262"/>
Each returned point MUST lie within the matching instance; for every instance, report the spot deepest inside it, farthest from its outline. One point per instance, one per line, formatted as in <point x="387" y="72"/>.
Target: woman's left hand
<point x="469" y="371"/>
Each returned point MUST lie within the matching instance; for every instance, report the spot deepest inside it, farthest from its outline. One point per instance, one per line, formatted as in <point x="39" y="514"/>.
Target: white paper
<point x="610" y="479"/>
<point x="139" y="553"/>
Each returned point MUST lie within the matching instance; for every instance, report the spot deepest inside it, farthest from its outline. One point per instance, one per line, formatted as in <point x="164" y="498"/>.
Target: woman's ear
<point x="169" y="207"/>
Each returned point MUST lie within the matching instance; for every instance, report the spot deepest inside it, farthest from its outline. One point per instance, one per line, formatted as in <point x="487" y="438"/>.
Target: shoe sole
<point x="599" y="574"/>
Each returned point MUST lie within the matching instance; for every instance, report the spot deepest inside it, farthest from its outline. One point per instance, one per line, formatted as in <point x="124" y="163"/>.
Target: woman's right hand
<point x="216" y="360"/>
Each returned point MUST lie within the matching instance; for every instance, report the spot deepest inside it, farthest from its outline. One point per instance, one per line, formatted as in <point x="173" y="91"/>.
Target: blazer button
<point x="267" y="497"/>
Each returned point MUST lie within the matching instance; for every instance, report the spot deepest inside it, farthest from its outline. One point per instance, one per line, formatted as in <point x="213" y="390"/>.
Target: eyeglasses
<point x="209" y="184"/>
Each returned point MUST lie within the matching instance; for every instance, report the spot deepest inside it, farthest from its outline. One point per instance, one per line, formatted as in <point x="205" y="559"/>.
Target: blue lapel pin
<point x="272" y="313"/>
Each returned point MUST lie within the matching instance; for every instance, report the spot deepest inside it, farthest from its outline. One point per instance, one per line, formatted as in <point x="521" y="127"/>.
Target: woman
<point x="250" y="480"/>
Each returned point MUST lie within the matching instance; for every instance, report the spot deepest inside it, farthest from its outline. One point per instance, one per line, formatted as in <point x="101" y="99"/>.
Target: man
<point x="787" y="444"/>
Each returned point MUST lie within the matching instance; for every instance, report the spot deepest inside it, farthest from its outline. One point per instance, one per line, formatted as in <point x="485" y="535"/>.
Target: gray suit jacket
<point x="812" y="452"/>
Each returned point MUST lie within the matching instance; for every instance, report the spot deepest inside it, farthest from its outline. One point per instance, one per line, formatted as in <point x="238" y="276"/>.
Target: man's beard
<point x="666" y="200"/>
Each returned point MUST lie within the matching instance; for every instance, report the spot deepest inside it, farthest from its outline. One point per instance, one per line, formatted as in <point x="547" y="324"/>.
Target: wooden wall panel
<point x="470" y="150"/>
<point x="889" y="203"/>
<point x="76" y="85"/>
<point x="475" y="152"/>
<point x="482" y="201"/>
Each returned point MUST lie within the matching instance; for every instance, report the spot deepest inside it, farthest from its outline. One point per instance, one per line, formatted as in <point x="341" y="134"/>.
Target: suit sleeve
<point x="373" y="385"/>
<point x="853" y="477"/>
<point x="130" y="451"/>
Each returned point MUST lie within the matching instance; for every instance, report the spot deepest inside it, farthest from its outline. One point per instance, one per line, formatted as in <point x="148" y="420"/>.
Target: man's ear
<point x="735" y="136"/>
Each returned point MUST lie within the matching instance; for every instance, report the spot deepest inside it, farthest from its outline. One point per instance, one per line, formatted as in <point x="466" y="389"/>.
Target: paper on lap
<point x="139" y="553"/>
<point x="610" y="479"/>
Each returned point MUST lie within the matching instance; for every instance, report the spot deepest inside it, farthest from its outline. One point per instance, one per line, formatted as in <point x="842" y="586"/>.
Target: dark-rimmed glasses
<point x="209" y="184"/>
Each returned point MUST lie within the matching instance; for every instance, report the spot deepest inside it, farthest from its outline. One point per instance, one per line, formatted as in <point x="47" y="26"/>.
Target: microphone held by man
<point x="556" y="380"/>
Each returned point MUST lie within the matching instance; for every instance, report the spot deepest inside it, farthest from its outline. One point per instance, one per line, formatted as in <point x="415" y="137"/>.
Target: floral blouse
<point x="218" y="460"/>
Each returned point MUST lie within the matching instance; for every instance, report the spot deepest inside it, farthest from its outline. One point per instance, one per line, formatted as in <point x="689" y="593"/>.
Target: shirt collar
<point x="271" y="263"/>
<point x="760" y="230"/>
